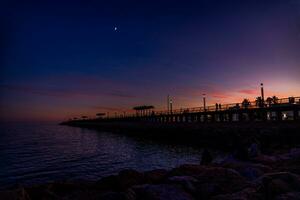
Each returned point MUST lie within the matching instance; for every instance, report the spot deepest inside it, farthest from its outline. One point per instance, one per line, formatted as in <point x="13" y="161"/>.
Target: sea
<point x="38" y="153"/>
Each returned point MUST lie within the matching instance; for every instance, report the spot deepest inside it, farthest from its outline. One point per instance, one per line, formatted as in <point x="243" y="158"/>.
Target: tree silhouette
<point x="259" y="102"/>
<point x="246" y="103"/>
<point x="269" y="101"/>
<point x="275" y="100"/>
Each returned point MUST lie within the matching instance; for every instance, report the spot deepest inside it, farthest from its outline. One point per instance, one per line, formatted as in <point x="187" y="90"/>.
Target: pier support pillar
<point x="264" y="115"/>
<point x="240" y="117"/>
<point x="221" y="116"/>
<point x="296" y="114"/>
<point x="193" y="118"/>
<point x="230" y="116"/>
<point x="198" y="118"/>
<point x="205" y="118"/>
<point x="213" y="118"/>
<point x="181" y="118"/>
<point x="279" y="115"/>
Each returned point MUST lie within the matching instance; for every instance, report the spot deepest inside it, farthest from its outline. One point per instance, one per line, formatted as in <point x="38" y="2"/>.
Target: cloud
<point x="248" y="91"/>
<point x="220" y="95"/>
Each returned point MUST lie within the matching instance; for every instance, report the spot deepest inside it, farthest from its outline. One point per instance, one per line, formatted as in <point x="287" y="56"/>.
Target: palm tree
<point x="269" y="101"/>
<point x="275" y="99"/>
<point x="245" y="103"/>
<point x="259" y="102"/>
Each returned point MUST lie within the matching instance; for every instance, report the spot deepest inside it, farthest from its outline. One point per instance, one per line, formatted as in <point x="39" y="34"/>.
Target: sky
<point x="62" y="59"/>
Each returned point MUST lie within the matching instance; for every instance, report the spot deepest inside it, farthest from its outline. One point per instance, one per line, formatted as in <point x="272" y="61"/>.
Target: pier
<point x="285" y="109"/>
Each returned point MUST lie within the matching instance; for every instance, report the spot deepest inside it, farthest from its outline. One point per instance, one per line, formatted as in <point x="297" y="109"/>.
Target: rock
<point x="206" y="157"/>
<point x="265" y="159"/>
<point x="248" y="170"/>
<point x="246" y="194"/>
<point x="221" y="181"/>
<point x="289" y="196"/>
<point x="128" y="178"/>
<point x="155" y="176"/>
<point x="187" y="170"/>
<point x="108" y="183"/>
<point x="253" y="150"/>
<point x="213" y="180"/>
<point x="124" y="180"/>
<point x="274" y="184"/>
<point x="161" y="192"/>
<point x="113" y="196"/>
<point x="187" y="182"/>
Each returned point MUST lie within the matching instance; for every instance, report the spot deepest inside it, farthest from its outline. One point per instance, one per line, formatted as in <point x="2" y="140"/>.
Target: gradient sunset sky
<point x="61" y="59"/>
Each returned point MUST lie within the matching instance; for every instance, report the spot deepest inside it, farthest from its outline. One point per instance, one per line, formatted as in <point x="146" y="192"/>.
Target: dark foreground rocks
<point x="262" y="177"/>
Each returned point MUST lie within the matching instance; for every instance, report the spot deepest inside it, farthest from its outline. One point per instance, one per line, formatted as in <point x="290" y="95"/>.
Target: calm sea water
<point x="39" y="153"/>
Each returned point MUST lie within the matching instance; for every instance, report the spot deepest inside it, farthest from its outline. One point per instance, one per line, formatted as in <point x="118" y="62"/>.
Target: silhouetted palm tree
<point x="291" y="99"/>
<point x="245" y="103"/>
<point x="269" y="101"/>
<point x="259" y="102"/>
<point x="275" y="99"/>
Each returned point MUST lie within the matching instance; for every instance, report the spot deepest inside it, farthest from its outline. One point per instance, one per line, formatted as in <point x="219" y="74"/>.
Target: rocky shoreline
<point x="273" y="176"/>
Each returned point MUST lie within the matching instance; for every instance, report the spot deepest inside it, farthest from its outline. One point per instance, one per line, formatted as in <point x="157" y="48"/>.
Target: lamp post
<point x="204" y="102"/>
<point x="171" y="103"/>
<point x="168" y="103"/>
<point x="262" y="93"/>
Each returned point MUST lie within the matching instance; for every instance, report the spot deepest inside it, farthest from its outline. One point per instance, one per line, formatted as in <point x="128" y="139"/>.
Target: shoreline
<point x="274" y="176"/>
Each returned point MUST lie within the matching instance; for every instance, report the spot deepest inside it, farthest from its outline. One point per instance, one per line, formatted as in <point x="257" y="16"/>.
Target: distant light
<point x="284" y="115"/>
<point x="115" y="28"/>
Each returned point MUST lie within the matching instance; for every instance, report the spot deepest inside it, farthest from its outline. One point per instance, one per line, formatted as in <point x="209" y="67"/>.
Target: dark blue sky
<point x="64" y="58"/>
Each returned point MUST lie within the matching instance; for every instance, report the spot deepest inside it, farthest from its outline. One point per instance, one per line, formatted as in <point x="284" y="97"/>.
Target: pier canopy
<point x="100" y="115"/>
<point x="143" y="110"/>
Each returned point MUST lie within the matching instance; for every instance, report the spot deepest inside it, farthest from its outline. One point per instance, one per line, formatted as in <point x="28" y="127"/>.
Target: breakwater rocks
<point x="274" y="176"/>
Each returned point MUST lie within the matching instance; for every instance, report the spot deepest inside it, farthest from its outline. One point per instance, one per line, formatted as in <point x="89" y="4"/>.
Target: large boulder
<point x="128" y="178"/>
<point x="245" y="194"/>
<point x="250" y="171"/>
<point x="155" y="176"/>
<point x="274" y="184"/>
<point x="212" y="180"/>
<point x="121" y="182"/>
<point x="187" y="182"/>
<point x="112" y="196"/>
<point x="289" y="196"/>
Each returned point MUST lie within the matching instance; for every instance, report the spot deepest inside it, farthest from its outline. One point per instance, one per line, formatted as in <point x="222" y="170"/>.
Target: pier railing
<point x="232" y="106"/>
<point x="214" y="108"/>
